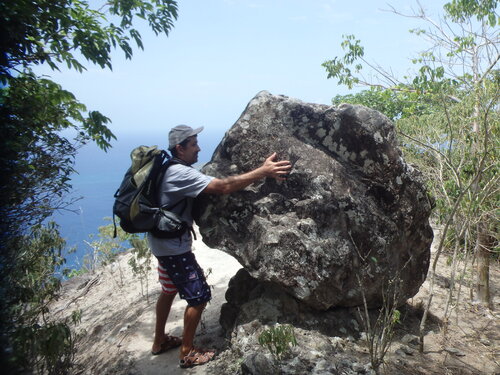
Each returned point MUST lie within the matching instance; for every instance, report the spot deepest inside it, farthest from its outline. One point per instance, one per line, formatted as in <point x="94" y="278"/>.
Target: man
<point x="179" y="272"/>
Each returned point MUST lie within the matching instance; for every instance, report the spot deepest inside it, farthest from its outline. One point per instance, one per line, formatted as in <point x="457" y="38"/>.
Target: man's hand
<point x="276" y="169"/>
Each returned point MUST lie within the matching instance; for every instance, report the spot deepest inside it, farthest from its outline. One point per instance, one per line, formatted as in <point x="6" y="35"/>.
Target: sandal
<point x="169" y="343"/>
<point x="196" y="357"/>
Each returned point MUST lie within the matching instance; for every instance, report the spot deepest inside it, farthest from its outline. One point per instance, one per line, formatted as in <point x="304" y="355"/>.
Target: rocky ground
<point x="116" y="330"/>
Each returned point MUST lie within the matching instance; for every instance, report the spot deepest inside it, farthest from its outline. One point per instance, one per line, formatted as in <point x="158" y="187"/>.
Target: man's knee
<point x="166" y="297"/>
<point x="199" y="307"/>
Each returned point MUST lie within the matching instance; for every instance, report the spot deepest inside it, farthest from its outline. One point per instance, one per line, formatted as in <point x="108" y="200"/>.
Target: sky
<point x="221" y="53"/>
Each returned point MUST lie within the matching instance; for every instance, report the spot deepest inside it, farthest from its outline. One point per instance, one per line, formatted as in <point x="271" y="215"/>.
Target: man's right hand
<point x="276" y="169"/>
<point x="270" y="168"/>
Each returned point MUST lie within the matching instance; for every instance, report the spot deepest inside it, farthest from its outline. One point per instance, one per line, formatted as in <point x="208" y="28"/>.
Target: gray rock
<point x="409" y="339"/>
<point x="313" y="354"/>
<point x="351" y="209"/>
<point x="485" y="341"/>
<point x="359" y="368"/>
<point x="323" y="367"/>
<point x="124" y="328"/>
<point x="258" y="364"/>
<point x="400" y="352"/>
<point x="407" y="350"/>
<point x="249" y="300"/>
<point x="454" y="351"/>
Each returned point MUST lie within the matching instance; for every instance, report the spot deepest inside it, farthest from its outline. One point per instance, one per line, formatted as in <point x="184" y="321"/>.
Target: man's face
<point x="189" y="153"/>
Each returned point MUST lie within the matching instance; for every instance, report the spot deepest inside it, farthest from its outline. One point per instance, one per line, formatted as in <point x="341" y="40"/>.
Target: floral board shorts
<point x="182" y="273"/>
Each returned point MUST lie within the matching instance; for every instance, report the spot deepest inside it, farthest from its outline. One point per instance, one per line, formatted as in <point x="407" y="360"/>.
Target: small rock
<point x="97" y="330"/>
<point x="369" y="370"/>
<point x="124" y="328"/>
<point x="337" y="342"/>
<point x="111" y="340"/>
<point x="322" y="367"/>
<point x="400" y="352"/>
<point x="410" y="340"/>
<point x="454" y="351"/>
<point x="359" y="368"/>
<point x="257" y="364"/>
<point x="83" y="284"/>
<point x="485" y="342"/>
<point x="315" y="354"/>
<point x="355" y="325"/>
<point x="407" y="350"/>
<point x="401" y="361"/>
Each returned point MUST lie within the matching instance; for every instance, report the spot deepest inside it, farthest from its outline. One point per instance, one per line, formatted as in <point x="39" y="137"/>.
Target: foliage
<point x="379" y="332"/>
<point x="394" y="104"/>
<point x="106" y="248"/>
<point x="464" y="10"/>
<point x="449" y="118"/>
<point x="50" y="31"/>
<point x="141" y="262"/>
<point x="31" y="337"/>
<point x="455" y="139"/>
<point x="345" y="68"/>
<point x="278" y="340"/>
<point x="458" y="155"/>
<point x="34" y="110"/>
<point x="42" y="127"/>
<point x="36" y="159"/>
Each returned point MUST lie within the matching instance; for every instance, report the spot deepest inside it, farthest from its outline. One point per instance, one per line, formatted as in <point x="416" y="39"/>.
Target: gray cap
<point x="179" y="133"/>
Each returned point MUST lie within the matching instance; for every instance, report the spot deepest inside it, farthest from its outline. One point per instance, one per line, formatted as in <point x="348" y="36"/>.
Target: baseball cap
<point x="179" y="133"/>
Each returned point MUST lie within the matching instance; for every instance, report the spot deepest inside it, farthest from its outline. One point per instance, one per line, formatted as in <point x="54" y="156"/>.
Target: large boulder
<point x="352" y="217"/>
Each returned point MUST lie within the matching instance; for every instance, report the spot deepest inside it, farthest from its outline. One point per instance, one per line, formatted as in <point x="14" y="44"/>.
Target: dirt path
<point x="118" y="322"/>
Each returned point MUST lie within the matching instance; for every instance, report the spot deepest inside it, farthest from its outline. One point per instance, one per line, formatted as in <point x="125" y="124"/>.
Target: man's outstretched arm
<point x="270" y="168"/>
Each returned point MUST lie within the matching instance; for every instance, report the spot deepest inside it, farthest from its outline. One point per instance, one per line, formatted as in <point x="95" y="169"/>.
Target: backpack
<point x="136" y="200"/>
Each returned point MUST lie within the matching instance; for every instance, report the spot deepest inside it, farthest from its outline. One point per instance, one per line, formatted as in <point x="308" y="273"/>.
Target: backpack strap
<point x="114" y="226"/>
<point x="114" y="216"/>
<point x="166" y="165"/>
<point x="175" y="160"/>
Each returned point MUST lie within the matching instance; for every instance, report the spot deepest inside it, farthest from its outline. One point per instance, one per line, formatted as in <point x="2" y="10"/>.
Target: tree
<point x="35" y="340"/>
<point x="395" y="104"/>
<point x="36" y="158"/>
<point x="455" y="139"/>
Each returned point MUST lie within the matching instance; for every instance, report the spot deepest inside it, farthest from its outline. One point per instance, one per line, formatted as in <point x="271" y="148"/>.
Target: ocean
<point x="98" y="176"/>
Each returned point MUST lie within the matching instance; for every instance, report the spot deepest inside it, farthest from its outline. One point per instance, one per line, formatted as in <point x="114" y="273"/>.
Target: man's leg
<point x="192" y="316"/>
<point x="192" y="286"/>
<point x="163" y="306"/>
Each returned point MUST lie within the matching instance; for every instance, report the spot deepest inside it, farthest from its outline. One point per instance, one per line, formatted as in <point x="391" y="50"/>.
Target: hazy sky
<point x="223" y="52"/>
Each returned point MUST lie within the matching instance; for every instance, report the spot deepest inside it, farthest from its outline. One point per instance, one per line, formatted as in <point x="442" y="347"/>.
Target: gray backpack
<point x="136" y="200"/>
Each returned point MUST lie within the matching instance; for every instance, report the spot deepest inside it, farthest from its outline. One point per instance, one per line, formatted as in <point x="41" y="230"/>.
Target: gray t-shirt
<point x="179" y="182"/>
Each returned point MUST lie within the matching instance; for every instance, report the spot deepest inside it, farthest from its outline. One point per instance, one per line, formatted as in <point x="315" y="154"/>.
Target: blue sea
<point x="98" y="176"/>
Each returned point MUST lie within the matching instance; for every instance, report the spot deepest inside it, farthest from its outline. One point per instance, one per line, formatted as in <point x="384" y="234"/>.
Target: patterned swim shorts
<point x="167" y="286"/>
<point x="187" y="277"/>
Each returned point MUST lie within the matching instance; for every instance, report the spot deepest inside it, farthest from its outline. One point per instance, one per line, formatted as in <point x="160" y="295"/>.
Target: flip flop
<point x="197" y="357"/>
<point x="169" y="343"/>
